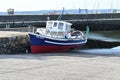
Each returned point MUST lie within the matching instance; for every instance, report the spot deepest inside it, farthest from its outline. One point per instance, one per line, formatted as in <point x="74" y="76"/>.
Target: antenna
<point x="59" y="18"/>
<point x="112" y="6"/>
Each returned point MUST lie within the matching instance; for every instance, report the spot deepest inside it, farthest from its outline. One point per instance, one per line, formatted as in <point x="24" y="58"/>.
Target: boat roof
<point x="60" y="21"/>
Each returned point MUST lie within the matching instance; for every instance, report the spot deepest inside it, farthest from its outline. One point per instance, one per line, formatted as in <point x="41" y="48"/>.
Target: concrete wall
<point x="9" y="18"/>
<point x="21" y="20"/>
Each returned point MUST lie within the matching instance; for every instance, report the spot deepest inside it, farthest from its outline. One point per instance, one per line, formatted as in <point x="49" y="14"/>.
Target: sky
<point x="35" y="5"/>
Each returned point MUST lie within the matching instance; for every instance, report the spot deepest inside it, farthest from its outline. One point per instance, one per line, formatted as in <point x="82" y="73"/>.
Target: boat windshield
<point x="60" y="26"/>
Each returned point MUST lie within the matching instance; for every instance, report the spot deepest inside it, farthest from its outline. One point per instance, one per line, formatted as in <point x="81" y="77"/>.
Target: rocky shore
<point x="12" y="42"/>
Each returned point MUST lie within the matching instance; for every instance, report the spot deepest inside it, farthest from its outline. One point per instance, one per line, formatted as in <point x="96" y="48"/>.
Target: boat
<point x="57" y="36"/>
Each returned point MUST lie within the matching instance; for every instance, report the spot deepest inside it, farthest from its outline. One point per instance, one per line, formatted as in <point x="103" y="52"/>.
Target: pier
<point x="108" y="21"/>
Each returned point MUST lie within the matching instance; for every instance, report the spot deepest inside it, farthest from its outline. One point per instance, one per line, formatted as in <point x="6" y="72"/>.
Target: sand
<point x="60" y="66"/>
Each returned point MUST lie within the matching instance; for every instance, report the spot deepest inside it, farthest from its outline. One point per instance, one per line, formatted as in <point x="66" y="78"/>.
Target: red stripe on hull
<point x="46" y="49"/>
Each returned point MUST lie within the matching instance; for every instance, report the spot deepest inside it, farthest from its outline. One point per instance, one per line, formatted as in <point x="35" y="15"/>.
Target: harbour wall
<point x="108" y="21"/>
<point x="14" y="40"/>
<point x="14" y="45"/>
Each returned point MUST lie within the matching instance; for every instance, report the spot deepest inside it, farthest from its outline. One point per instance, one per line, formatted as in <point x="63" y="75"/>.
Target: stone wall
<point x="80" y="21"/>
<point x="25" y="20"/>
<point x="14" y="44"/>
<point x="12" y="18"/>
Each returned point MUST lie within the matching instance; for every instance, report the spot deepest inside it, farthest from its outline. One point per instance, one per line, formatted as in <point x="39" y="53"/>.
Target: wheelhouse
<point x="57" y="28"/>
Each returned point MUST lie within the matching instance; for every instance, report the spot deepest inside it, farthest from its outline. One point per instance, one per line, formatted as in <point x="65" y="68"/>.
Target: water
<point x="101" y="51"/>
<point x="108" y="36"/>
<point x="114" y="50"/>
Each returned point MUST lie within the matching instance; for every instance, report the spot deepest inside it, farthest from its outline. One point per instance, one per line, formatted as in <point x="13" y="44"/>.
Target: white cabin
<point x="57" y="28"/>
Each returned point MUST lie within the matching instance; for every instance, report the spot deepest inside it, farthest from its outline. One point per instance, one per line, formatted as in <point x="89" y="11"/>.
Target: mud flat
<point x="59" y="66"/>
<point x="13" y="42"/>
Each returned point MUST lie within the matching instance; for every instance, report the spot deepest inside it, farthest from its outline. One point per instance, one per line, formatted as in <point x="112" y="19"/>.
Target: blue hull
<point x="40" y="44"/>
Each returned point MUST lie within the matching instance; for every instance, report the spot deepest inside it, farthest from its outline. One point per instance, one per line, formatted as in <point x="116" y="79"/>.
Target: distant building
<point x="10" y="11"/>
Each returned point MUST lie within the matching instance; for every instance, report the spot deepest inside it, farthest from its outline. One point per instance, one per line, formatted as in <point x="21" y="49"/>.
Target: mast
<point x="60" y="17"/>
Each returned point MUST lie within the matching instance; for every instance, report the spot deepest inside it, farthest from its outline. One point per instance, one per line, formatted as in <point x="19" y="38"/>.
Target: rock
<point x="24" y="41"/>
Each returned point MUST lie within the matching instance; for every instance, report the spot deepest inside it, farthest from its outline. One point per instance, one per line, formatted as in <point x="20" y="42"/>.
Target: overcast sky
<point x="33" y="5"/>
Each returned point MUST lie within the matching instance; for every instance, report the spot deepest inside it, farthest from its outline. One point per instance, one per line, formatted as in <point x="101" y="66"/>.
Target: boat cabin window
<point x="68" y="27"/>
<point x="49" y="24"/>
<point x="55" y="24"/>
<point x="60" y="26"/>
